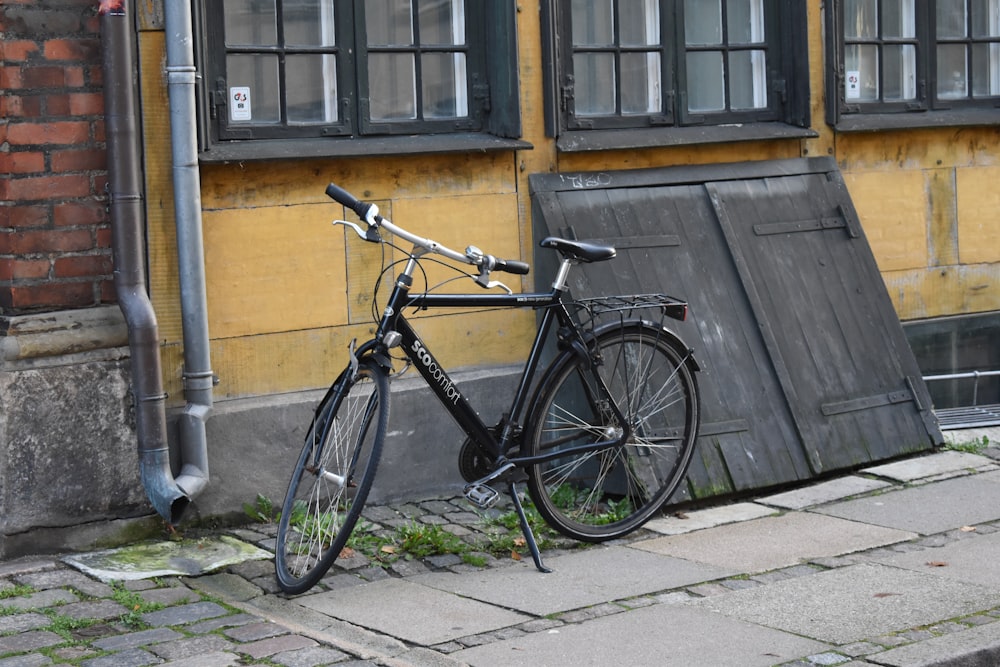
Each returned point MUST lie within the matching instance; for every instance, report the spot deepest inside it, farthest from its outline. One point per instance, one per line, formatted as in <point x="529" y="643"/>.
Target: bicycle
<point x="602" y="437"/>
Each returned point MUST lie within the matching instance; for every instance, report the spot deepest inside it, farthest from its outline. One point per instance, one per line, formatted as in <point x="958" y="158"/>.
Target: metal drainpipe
<point x="169" y="496"/>
<point x="198" y="375"/>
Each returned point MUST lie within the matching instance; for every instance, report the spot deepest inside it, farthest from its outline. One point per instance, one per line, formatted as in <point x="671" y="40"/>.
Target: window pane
<point x="392" y="86"/>
<point x="593" y="22"/>
<point x="950" y="18"/>
<point x="745" y="20"/>
<point x="951" y="71"/>
<point x="898" y="19"/>
<point x="254" y="78"/>
<point x="705" y="81"/>
<point x="442" y="22"/>
<point x="250" y="22"/>
<point x="703" y="21"/>
<point x="639" y="22"/>
<point x="860" y="19"/>
<point x="861" y="73"/>
<point x="595" y="83"/>
<point x="443" y="79"/>
<point x="747" y="80"/>
<point x="985" y="70"/>
<point x="899" y="75"/>
<point x="311" y="88"/>
<point x="641" y="83"/>
<point x="985" y="18"/>
<point x="308" y="22"/>
<point x="388" y="22"/>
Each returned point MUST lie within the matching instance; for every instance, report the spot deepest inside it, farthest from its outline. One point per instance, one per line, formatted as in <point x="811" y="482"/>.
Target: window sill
<point x="604" y="140"/>
<point x="296" y="149"/>
<point x="875" y="122"/>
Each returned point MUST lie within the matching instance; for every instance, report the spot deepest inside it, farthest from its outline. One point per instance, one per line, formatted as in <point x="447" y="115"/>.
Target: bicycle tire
<point x="597" y="496"/>
<point x="332" y="477"/>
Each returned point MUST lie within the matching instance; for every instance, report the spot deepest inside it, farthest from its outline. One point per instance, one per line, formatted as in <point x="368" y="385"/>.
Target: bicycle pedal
<point x="482" y="496"/>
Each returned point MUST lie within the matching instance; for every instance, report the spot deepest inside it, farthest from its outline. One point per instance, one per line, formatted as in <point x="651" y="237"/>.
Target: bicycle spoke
<point x="605" y="493"/>
<point x="332" y="478"/>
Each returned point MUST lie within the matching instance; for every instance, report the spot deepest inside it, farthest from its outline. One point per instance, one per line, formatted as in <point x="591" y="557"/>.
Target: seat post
<point x="559" y="284"/>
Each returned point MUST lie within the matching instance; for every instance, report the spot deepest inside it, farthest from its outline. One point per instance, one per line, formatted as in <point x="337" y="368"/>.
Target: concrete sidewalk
<point x="895" y="565"/>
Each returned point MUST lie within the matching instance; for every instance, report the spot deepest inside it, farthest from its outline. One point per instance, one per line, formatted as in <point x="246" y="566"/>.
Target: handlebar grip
<point x="342" y="196"/>
<point x="513" y="266"/>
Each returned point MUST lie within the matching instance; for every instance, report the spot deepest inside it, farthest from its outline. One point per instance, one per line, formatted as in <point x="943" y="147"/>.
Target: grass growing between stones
<point x="16" y="591"/>
<point x="975" y="446"/>
<point x="135" y="604"/>
<point x="496" y="536"/>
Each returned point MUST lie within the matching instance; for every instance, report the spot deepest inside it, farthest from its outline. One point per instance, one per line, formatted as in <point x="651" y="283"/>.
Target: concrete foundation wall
<point x="69" y="477"/>
<point x="253" y="444"/>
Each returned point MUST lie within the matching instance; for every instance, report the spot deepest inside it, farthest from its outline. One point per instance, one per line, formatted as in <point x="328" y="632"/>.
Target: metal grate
<point x="968" y="416"/>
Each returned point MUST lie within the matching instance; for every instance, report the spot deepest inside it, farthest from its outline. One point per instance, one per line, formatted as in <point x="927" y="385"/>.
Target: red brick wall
<point x="55" y="235"/>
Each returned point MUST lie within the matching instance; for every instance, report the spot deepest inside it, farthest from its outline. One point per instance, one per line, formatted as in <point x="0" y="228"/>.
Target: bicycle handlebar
<point x="368" y="212"/>
<point x="342" y="196"/>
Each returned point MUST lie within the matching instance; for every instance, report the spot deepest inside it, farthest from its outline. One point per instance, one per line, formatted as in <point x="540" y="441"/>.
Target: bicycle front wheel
<point x="332" y="477"/>
<point x="600" y="495"/>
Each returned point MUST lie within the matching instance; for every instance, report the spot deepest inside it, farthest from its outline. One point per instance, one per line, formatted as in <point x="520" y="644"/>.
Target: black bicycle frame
<point x="448" y="392"/>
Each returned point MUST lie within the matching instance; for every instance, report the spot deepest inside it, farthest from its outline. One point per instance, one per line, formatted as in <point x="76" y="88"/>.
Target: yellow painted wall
<point x="287" y="291"/>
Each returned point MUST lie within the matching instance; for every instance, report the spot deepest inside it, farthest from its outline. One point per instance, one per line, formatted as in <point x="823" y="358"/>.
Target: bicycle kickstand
<point x="529" y="536"/>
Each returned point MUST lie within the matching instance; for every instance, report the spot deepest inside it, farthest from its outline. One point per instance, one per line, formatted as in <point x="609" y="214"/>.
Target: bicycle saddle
<point x="581" y="250"/>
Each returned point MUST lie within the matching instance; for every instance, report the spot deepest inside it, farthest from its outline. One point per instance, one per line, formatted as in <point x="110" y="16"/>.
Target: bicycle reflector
<point x="677" y="310"/>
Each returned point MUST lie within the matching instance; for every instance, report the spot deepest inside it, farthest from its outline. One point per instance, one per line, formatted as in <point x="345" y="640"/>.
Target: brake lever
<point x="483" y="280"/>
<point x="370" y="235"/>
<point x="497" y="283"/>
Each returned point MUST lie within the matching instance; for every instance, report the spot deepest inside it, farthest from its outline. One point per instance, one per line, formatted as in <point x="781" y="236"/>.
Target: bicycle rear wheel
<point x="332" y="477"/>
<point x="596" y="496"/>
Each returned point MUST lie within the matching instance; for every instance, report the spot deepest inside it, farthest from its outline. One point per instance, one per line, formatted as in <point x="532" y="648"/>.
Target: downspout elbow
<point x="168" y="495"/>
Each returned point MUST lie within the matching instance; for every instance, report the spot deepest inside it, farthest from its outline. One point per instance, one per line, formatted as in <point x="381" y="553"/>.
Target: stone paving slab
<point x="23" y="622"/>
<point x="854" y="603"/>
<point x="410" y="611"/>
<point x="824" y="492"/>
<point x="975" y="647"/>
<point x="933" y="465"/>
<point x="187" y="613"/>
<point x="592" y="576"/>
<point x="344" y="635"/>
<point x="41" y="599"/>
<point x="707" y="518"/>
<point x="27" y="660"/>
<point x="664" y="635"/>
<point x="969" y="435"/>
<point x="975" y="559"/>
<point x="928" y="509"/>
<point x="774" y="542"/>
<point x="215" y="659"/>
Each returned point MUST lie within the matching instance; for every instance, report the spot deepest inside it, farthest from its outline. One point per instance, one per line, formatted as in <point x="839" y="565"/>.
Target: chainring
<point x="473" y="463"/>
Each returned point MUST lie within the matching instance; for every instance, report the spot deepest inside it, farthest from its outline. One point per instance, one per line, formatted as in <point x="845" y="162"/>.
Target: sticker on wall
<point x="239" y="103"/>
<point x="852" y="85"/>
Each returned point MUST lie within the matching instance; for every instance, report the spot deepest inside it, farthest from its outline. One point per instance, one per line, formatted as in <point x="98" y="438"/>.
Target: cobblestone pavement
<point x="51" y="613"/>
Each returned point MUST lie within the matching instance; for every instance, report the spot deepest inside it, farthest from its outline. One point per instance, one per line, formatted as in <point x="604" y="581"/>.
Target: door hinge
<point x="219" y="101"/>
<point x="567" y="96"/>
<point x="781" y="89"/>
<point x="481" y="95"/>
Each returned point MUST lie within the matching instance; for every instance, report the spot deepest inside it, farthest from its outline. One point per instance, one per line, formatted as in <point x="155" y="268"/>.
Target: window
<point x="650" y="63"/>
<point x="899" y="56"/>
<point x="311" y="69"/>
